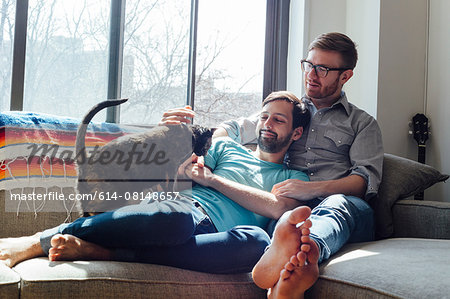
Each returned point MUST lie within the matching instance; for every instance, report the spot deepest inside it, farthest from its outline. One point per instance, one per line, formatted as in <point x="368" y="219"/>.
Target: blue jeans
<point x="338" y="220"/>
<point x="173" y="233"/>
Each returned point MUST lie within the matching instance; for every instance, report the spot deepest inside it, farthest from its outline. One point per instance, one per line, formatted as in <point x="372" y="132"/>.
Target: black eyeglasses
<point x="321" y="71"/>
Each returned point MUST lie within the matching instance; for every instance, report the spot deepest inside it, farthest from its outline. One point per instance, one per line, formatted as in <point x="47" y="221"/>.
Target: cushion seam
<point x="358" y="286"/>
<point x="422" y="206"/>
<point x="2" y="284"/>
<point x="136" y="281"/>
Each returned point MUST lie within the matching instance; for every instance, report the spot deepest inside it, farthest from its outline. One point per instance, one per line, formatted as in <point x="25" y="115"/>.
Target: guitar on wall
<point x="420" y="134"/>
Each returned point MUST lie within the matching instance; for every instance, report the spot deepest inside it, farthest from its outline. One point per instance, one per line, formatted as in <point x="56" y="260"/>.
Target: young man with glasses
<point x="342" y="153"/>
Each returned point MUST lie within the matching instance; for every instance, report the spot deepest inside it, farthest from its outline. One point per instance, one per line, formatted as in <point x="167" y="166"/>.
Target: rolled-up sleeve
<point x="242" y="130"/>
<point x="366" y="155"/>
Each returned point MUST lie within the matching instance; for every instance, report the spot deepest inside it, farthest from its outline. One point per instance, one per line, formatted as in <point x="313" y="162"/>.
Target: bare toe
<point x="305" y="247"/>
<point x="58" y="240"/>
<point x="284" y="274"/>
<point x="301" y="257"/>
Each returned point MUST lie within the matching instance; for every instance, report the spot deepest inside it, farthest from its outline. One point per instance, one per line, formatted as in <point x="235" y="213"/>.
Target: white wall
<point x="401" y="82"/>
<point x="325" y="16"/>
<point x="390" y="80"/>
<point x="361" y="25"/>
<point x="438" y="95"/>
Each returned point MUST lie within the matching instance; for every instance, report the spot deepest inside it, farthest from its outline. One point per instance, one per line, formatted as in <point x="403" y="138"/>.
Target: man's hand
<point x="194" y="159"/>
<point x="200" y="160"/>
<point x="200" y="175"/>
<point x="185" y="164"/>
<point x="297" y="189"/>
<point x="177" y="116"/>
<point x="353" y="185"/>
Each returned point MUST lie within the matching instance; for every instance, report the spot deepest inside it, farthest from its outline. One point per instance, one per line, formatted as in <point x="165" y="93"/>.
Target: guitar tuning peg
<point x="410" y="125"/>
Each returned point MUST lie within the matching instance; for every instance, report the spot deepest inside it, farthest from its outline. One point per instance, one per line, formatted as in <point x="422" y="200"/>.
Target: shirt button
<point x="309" y="164"/>
<point x="308" y="148"/>
<point x="312" y="130"/>
<point x="311" y="174"/>
<point x="339" y="141"/>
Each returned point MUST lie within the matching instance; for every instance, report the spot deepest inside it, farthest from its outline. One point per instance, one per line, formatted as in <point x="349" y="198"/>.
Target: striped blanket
<point x="37" y="149"/>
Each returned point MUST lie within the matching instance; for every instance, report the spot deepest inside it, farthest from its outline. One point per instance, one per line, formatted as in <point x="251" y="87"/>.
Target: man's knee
<point x="340" y="201"/>
<point x="335" y="200"/>
<point x="353" y="209"/>
<point x="254" y="237"/>
<point x="357" y="212"/>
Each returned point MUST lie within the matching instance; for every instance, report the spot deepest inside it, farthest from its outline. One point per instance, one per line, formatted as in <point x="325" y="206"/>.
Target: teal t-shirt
<point x="235" y="162"/>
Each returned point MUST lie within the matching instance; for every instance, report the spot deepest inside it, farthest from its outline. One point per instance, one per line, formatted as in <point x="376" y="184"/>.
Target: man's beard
<point x="272" y="145"/>
<point x="328" y="91"/>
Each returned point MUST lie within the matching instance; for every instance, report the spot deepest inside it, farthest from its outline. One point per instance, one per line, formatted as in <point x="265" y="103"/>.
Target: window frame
<point x="275" y="56"/>
<point x="19" y="55"/>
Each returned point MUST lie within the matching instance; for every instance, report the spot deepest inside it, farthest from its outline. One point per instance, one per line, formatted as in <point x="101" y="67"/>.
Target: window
<point x="67" y="50"/>
<point x="155" y="59"/>
<point x="163" y="46"/>
<point x="6" y="50"/>
<point x="230" y="59"/>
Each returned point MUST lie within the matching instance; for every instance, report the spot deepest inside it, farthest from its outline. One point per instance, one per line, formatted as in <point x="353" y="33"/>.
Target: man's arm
<point x="241" y="130"/>
<point x="220" y="132"/>
<point x="253" y="199"/>
<point x="366" y="156"/>
<point x="353" y="185"/>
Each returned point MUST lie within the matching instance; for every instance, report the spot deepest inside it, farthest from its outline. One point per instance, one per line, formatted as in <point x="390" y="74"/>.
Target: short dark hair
<point x="335" y="41"/>
<point x="300" y="112"/>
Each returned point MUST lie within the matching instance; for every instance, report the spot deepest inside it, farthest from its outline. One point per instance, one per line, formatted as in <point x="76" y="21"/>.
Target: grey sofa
<point x="409" y="259"/>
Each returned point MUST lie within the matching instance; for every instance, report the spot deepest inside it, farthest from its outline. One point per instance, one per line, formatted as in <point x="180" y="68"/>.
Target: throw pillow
<point x="402" y="178"/>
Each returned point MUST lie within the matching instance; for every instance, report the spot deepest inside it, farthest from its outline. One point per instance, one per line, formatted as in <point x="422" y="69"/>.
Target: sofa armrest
<point x="421" y="219"/>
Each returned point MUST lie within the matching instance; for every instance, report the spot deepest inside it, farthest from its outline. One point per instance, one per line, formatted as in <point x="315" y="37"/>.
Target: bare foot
<point x="299" y="274"/>
<point x="286" y="242"/>
<point x="16" y="250"/>
<point x="70" y="248"/>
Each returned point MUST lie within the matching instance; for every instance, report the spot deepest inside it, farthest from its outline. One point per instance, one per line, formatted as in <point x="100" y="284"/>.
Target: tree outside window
<point x="67" y="53"/>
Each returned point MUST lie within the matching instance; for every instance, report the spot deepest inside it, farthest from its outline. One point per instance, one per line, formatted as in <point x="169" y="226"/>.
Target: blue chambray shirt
<point x="341" y="140"/>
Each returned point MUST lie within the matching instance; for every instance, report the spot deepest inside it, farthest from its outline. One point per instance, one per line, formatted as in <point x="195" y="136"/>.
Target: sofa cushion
<point x="405" y="268"/>
<point x="97" y="279"/>
<point x="9" y="283"/>
<point x="402" y="178"/>
<point x="422" y="219"/>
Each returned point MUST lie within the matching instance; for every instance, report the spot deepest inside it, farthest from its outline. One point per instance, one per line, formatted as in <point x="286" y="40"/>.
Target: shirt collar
<point x="341" y="101"/>
<point x="344" y="102"/>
